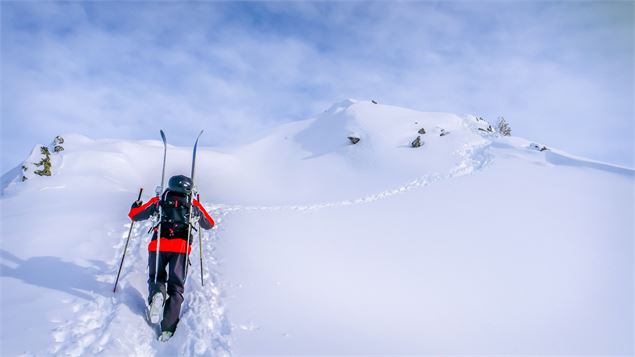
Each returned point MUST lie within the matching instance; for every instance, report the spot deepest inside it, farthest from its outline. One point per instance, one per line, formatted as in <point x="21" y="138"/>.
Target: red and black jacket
<point x="175" y="210"/>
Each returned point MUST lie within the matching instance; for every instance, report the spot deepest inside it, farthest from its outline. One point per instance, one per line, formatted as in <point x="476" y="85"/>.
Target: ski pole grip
<point x="140" y="192"/>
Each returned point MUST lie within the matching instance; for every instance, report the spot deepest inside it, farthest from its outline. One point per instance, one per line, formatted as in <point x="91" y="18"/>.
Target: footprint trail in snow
<point x="118" y="326"/>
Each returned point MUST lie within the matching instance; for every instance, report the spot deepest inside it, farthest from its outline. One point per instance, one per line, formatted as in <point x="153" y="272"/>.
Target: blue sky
<point x="560" y="72"/>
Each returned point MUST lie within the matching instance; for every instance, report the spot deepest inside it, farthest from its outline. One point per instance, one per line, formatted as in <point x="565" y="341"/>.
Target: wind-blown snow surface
<point x="471" y="243"/>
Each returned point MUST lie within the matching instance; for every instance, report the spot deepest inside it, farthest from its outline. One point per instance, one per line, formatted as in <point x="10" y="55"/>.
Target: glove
<point x="137" y="204"/>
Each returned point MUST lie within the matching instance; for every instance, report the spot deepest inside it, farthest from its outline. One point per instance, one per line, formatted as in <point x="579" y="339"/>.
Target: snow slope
<point x="470" y="244"/>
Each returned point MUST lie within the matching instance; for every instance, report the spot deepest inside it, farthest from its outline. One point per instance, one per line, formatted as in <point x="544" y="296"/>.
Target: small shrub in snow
<point x="41" y="165"/>
<point x="422" y="131"/>
<point x="489" y="129"/>
<point x="444" y="132"/>
<point x="416" y="142"/>
<point x="502" y="126"/>
<point x="354" y="140"/>
<point x="45" y="163"/>
<point x="373" y="101"/>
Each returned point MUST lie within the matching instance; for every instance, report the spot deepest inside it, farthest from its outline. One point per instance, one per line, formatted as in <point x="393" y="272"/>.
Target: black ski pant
<point x="171" y="272"/>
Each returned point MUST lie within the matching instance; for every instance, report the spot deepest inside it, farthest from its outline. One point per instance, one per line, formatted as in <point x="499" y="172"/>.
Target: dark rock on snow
<point x="416" y="143"/>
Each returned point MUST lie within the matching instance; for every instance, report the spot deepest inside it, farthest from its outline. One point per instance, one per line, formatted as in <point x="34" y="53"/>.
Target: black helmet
<point x="180" y="183"/>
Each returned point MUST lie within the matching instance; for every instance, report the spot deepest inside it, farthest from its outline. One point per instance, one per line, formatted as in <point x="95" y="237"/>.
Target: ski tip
<point x="196" y="142"/>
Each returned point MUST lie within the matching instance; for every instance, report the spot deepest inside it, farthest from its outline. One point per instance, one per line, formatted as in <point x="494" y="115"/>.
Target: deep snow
<point x="472" y="243"/>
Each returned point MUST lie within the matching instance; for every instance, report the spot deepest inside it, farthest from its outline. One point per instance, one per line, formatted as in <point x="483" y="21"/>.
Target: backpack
<point x="175" y="210"/>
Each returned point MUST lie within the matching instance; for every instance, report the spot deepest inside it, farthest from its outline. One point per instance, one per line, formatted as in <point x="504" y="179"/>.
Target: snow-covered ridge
<point x="469" y="243"/>
<point x="310" y="149"/>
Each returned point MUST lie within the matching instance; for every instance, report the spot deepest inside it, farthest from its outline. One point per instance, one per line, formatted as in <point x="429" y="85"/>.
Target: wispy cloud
<point x="561" y="73"/>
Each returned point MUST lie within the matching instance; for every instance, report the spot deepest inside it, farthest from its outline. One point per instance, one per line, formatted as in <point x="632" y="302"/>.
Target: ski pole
<point x="126" y="247"/>
<point x="200" y="242"/>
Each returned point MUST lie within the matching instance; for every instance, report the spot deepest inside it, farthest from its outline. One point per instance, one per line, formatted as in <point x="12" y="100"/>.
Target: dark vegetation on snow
<point x="43" y="166"/>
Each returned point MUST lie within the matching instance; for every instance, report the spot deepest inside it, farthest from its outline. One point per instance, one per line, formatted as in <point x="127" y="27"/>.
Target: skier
<point x="165" y="303"/>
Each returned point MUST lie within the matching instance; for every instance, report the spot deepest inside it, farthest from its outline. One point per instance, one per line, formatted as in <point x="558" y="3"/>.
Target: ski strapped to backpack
<point x="189" y="229"/>
<point x="158" y="192"/>
<point x="200" y="243"/>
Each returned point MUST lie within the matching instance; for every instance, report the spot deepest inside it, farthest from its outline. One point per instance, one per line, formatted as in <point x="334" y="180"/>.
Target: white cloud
<point x="561" y="73"/>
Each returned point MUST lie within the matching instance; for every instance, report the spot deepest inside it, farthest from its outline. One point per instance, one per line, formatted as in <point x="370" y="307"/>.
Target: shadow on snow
<point x="54" y="273"/>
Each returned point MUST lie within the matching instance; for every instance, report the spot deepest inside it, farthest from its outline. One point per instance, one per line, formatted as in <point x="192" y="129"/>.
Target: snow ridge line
<point x="473" y="158"/>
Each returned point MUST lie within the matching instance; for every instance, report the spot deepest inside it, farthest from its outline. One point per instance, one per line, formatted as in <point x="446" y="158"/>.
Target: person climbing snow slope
<point x="166" y="281"/>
